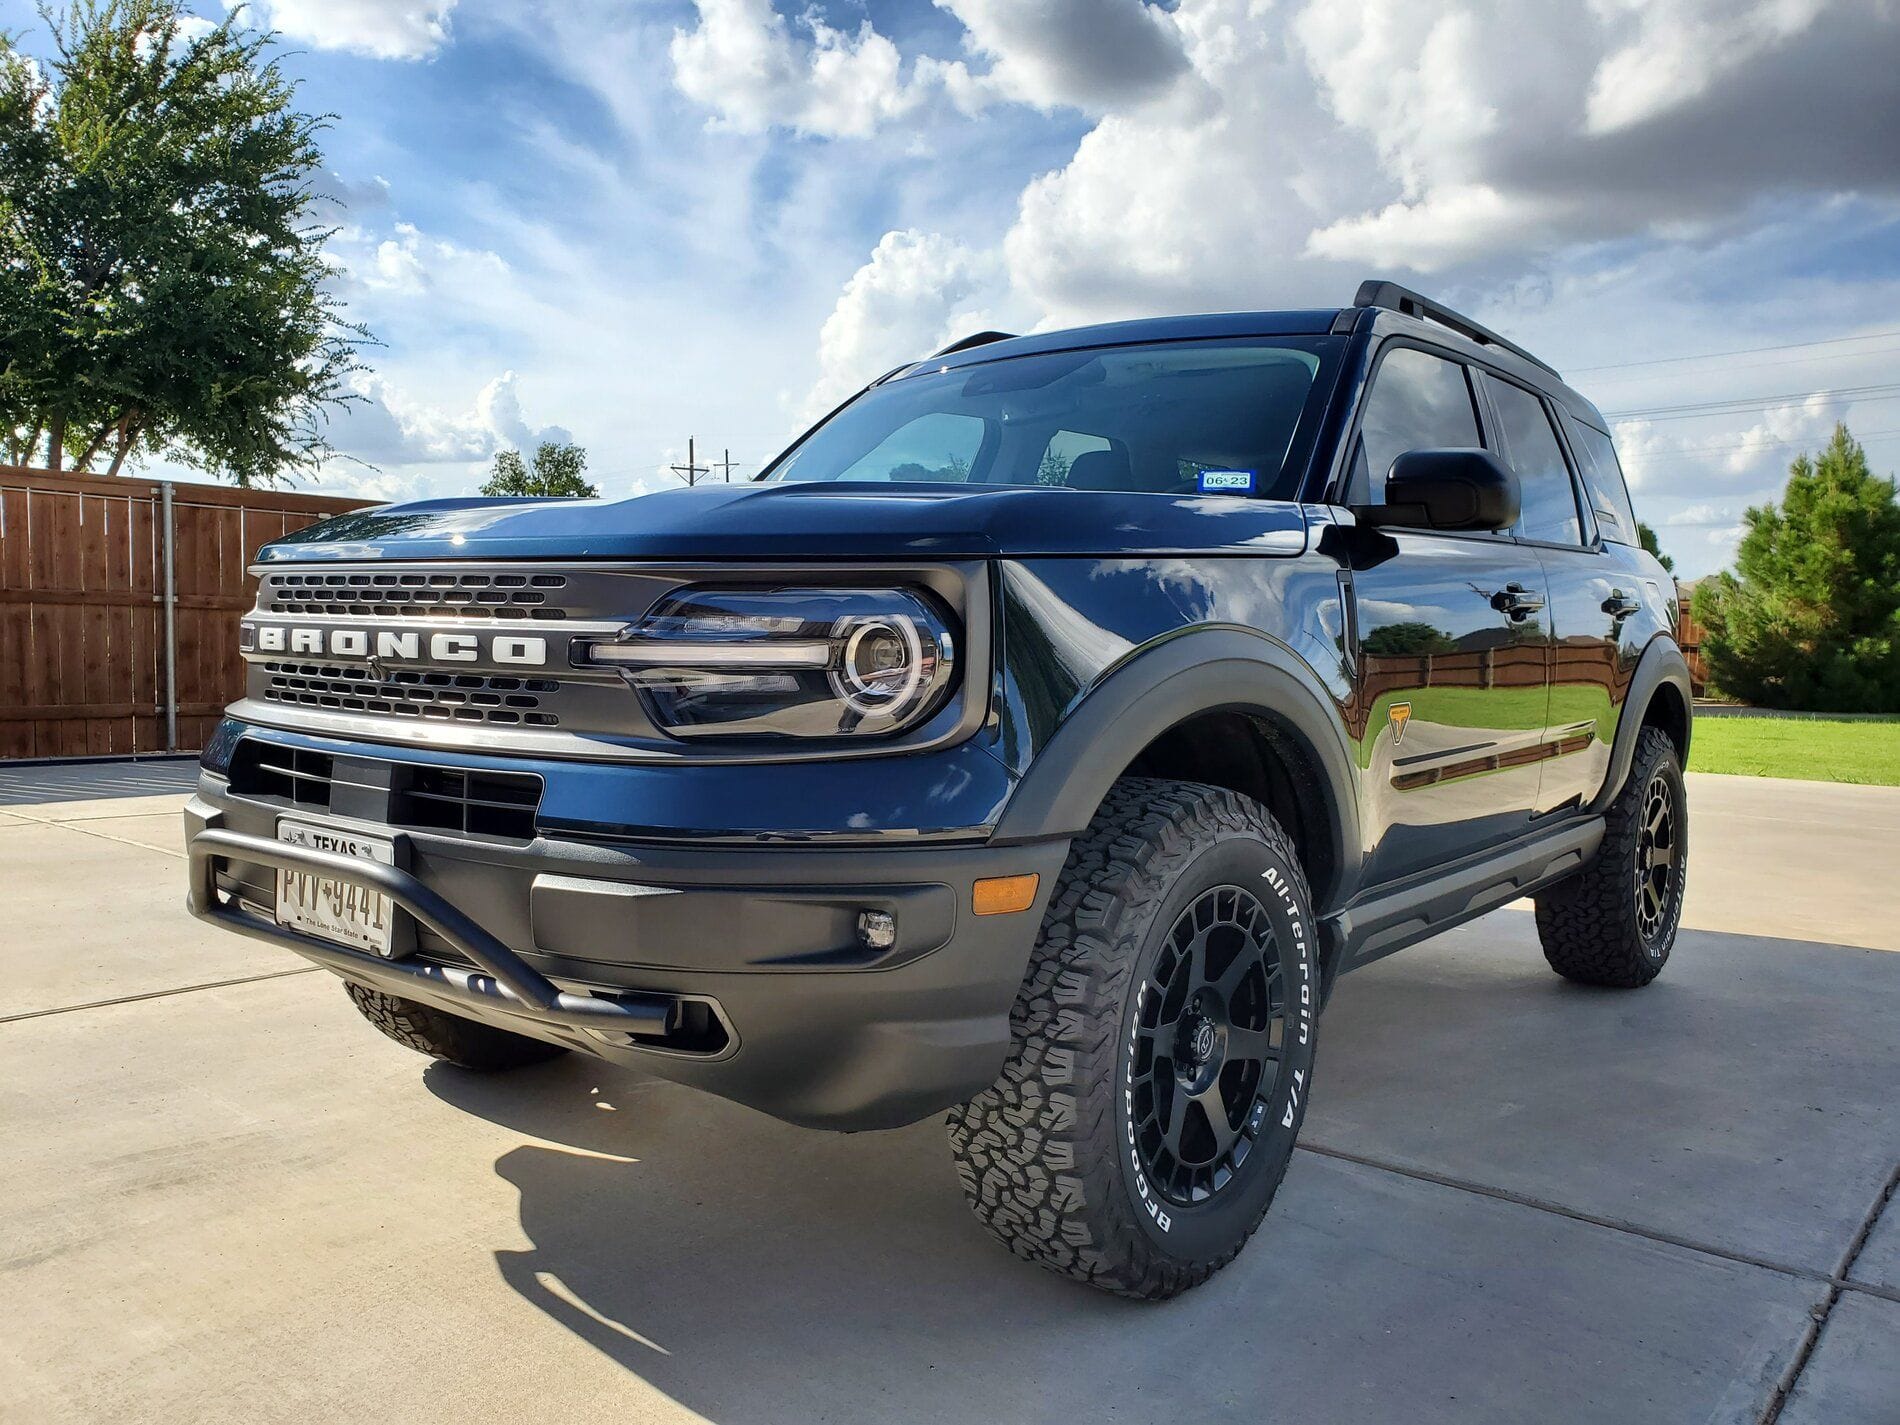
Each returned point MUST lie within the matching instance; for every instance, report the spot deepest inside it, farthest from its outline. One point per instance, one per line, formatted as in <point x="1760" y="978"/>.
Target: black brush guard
<point x="502" y="979"/>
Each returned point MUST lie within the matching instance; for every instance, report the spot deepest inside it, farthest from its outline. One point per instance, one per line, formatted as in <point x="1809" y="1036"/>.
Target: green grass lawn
<point x="1796" y="747"/>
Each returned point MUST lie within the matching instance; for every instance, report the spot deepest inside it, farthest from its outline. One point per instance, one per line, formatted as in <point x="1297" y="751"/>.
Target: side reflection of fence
<point x="1415" y="675"/>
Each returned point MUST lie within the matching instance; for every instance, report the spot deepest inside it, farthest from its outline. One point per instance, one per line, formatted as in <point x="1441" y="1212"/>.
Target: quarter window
<point x="1419" y="402"/>
<point x="1530" y="444"/>
<point x="1603" y="478"/>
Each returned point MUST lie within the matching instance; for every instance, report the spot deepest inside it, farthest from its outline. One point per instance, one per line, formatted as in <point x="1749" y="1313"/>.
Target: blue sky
<point x="632" y="221"/>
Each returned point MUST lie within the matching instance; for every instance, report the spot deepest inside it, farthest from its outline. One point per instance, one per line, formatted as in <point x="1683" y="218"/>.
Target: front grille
<point x="447" y="654"/>
<point x="377" y="595"/>
<point x="286" y="774"/>
<point x="453" y="697"/>
<point x="471" y="803"/>
<point x="466" y="801"/>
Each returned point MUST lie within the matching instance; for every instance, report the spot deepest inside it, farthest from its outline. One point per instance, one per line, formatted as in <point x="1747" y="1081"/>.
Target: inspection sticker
<point x="1227" y="482"/>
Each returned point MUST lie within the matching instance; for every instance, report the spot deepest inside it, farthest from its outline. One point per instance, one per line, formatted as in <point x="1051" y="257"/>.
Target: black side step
<point x="1386" y="920"/>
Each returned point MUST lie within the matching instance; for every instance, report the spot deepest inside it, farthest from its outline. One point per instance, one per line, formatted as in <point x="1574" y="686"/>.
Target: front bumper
<point x="734" y="969"/>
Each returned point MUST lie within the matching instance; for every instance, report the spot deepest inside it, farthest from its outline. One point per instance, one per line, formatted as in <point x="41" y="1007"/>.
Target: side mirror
<point x="1446" y="489"/>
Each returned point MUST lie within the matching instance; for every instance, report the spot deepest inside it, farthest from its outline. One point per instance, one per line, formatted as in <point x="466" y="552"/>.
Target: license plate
<point x="338" y="910"/>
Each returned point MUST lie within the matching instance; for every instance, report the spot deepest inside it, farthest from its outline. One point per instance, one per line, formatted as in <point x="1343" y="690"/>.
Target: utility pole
<point x="725" y="464"/>
<point x="691" y="470"/>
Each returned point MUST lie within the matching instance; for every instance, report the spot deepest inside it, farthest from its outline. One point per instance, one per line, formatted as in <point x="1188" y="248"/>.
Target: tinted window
<point x="932" y="447"/>
<point x="1138" y="418"/>
<point x="1603" y="478"/>
<point x="1059" y="456"/>
<point x="1530" y="444"/>
<point x="1418" y="402"/>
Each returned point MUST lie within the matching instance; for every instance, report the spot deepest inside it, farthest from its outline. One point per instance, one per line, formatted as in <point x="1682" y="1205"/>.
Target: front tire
<point x="450" y="1037"/>
<point x="1614" y="922"/>
<point x="1163" y="1047"/>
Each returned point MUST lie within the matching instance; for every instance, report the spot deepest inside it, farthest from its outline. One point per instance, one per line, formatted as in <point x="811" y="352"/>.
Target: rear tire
<point x="1163" y="1047"/>
<point x="446" y="1036"/>
<point x="1614" y="922"/>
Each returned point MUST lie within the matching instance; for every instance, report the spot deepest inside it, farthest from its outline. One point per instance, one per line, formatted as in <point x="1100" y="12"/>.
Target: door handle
<point x="1516" y="601"/>
<point x="1621" y="605"/>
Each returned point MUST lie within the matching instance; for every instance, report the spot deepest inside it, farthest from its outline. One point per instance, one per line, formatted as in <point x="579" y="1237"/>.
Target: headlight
<point x="765" y="662"/>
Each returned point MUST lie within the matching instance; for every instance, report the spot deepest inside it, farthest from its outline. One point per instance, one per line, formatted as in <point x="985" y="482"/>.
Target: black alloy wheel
<point x="1163" y="1044"/>
<point x="1656" y="860"/>
<point x="1209" y="1025"/>
<point x="1614" y="922"/>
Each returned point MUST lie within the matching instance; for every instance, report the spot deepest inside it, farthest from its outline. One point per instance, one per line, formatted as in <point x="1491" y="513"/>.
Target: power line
<point x="1739" y="351"/>
<point x="1764" y="365"/>
<point x="1743" y="405"/>
<point x="1720" y="446"/>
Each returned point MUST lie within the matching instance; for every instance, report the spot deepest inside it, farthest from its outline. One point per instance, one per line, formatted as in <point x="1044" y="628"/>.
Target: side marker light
<point x="1004" y="895"/>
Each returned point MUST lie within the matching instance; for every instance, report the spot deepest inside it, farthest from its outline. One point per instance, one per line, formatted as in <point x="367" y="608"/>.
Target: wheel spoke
<point x="1215" y="1107"/>
<point x="1194" y="958"/>
<point x="1236" y="972"/>
<point x="1162" y="1036"/>
<point x="1253" y="1044"/>
<point x="1175" y="1121"/>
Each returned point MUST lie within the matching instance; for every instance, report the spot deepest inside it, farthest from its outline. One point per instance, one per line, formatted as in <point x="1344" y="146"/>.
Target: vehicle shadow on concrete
<point x="758" y="1273"/>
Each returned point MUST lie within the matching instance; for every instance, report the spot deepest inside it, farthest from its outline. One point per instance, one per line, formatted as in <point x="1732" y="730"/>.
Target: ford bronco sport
<point x="1039" y="739"/>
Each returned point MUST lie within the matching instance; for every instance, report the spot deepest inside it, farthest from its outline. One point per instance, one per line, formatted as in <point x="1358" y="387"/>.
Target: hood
<point x="808" y="521"/>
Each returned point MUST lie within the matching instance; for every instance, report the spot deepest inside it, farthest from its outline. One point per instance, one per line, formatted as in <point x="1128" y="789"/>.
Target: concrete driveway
<point x="227" y="1198"/>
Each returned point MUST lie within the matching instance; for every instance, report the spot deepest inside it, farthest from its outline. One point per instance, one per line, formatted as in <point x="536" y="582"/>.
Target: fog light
<point x="877" y="929"/>
<point x="1003" y="895"/>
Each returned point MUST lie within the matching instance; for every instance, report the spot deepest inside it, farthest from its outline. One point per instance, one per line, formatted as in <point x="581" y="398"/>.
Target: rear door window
<point x="1418" y="402"/>
<point x="1531" y="447"/>
<point x="1603" y="479"/>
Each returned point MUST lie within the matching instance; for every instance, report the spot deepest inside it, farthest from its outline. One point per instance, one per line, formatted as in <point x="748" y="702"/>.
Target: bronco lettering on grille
<point x="394" y="645"/>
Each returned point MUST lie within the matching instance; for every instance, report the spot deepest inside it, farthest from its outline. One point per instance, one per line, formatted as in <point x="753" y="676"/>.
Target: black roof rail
<point x="1393" y="298"/>
<point x="974" y="339"/>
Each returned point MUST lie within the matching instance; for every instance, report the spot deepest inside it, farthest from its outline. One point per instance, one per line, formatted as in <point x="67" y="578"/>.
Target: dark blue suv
<point x="1038" y="739"/>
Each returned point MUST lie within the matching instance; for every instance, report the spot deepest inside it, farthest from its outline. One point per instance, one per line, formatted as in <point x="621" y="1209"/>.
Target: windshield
<point x="1181" y="418"/>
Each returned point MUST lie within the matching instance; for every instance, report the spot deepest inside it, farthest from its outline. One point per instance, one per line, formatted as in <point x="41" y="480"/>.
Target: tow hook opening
<point x="693" y="1026"/>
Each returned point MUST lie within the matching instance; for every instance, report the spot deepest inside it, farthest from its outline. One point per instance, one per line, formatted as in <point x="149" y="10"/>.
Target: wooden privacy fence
<point x="119" y="602"/>
<point x="1690" y="635"/>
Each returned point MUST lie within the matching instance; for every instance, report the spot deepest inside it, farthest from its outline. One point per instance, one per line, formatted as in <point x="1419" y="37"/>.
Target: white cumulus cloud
<point x="386" y="426"/>
<point x="918" y="292"/>
<point x="410" y="262"/>
<point x="382" y="29"/>
<point x="1677" y="49"/>
<point x="755" y="70"/>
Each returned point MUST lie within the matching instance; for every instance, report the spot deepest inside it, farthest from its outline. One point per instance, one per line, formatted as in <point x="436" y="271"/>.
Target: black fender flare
<point x="1213" y="668"/>
<point x="1661" y="664"/>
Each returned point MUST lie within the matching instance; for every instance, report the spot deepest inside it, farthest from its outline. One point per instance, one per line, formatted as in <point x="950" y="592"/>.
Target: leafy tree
<point x="162" y="282"/>
<point x="1813" y="621"/>
<point x="1054" y="469"/>
<point x="557" y="473"/>
<point x="1648" y="537"/>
